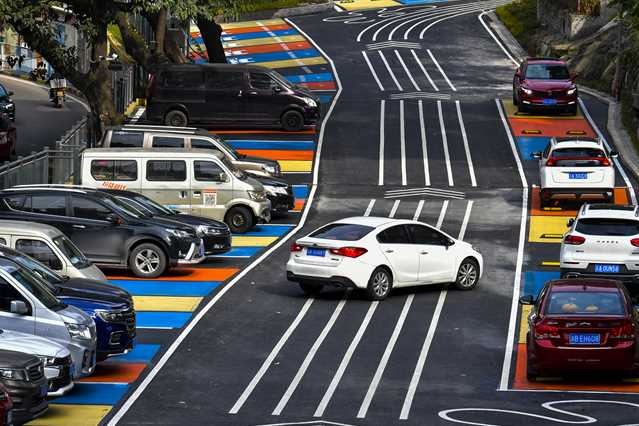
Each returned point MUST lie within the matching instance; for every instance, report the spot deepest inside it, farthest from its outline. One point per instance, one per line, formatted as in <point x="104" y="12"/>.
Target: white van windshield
<point x="71" y="252"/>
<point x="236" y="172"/>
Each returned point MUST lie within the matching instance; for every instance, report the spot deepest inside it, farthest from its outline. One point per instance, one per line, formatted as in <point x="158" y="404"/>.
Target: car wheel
<point x="239" y="219"/>
<point x="311" y="288"/>
<point x="531" y="372"/>
<point x="467" y="275"/>
<point x="379" y="284"/>
<point x="292" y="121"/>
<point x="147" y="261"/>
<point x="176" y="118"/>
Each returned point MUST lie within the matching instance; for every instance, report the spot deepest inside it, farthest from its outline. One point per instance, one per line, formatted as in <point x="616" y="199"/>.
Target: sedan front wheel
<point x="467" y="275"/>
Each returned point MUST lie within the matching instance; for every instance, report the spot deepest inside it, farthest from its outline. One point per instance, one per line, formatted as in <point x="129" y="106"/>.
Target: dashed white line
<point x="432" y="57"/>
<point x="442" y="214"/>
<point x="449" y="169"/>
<point x="369" y="209"/>
<point x="370" y="67"/>
<point x="469" y="160"/>
<point x="423" y="68"/>
<point x="402" y="142"/>
<point x="422" y="129"/>
<point x="390" y="71"/>
<point x="394" y="209"/>
<point x="382" y="130"/>
<point x="462" y="230"/>
<point x="410" y="76"/>
<point x="418" y="210"/>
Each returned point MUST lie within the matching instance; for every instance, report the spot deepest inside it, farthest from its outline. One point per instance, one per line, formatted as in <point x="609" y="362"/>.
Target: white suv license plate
<point x="315" y="252"/>
<point x="607" y="269"/>
<point x="577" y="175"/>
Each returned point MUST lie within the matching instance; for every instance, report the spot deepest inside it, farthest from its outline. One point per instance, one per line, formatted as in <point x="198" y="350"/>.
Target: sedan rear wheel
<point x="380" y="284"/>
<point x="467" y="275"/>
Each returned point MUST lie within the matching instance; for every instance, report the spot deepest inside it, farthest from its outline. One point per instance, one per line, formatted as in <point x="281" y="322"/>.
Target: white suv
<point x="603" y="241"/>
<point x="576" y="169"/>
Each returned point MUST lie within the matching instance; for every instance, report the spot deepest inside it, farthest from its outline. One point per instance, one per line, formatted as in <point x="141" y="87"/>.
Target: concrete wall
<point x="568" y="22"/>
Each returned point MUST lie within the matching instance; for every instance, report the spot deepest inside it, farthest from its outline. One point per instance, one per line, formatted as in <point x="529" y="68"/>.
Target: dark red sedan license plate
<point x="584" y="339"/>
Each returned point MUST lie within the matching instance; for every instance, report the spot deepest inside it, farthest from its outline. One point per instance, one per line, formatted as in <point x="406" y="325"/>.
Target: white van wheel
<point x="176" y="118"/>
<point x="239" y="219"/>
<point x="147" y="261"/>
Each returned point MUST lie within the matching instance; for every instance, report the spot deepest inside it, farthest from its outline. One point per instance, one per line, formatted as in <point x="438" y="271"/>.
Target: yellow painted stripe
<point x="261" y="41"/>
<point x="286" y="63"/>
<point x="523" y="324"/>
<point x="511" y="111"/>
<point x="548" y="263"/>
<point x="240" y="241"/>
<point x="296" y="165"/>
<point x="166" y="303"/>
<point x="547" y="229"/>
<point x="245" y="24"/>
<point x="72" y="415"/>
<point x="367" y="4"/>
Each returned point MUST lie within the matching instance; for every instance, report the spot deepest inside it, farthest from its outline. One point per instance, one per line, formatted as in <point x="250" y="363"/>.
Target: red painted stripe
<point x="186" y="274"/>
<point x="319" y="85"/>
<point x="299" y="204"/>
<point x="256" y="29"/>
<point x="550" y="127"/>
<point x="115" y="372"/>
<point x="269" y="48"/>
<point x="279" y="154"/>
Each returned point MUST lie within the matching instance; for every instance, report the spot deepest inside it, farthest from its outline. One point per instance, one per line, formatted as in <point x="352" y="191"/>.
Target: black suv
<point x="107" y="230"/>
<point x="23" y="378"/>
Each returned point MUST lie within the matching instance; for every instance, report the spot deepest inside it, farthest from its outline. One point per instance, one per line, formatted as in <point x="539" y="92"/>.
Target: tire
<point x="239" y="219"/>
<point x="292" y="121"/>
<point x="380" y="284"/>
<point x="176" y="118"/>
<point x="147" y="261"/>
<point x="572" y="110"/>
<point x="310" y="288"/>
<point x="467" y="275"/>
<point x="531" y="371"/>
<point x="515" y="98"/>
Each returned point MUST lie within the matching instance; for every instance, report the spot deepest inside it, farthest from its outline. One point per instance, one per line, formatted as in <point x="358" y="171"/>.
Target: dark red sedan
<point x="581" y="325"/>
<point x="545" y="84"/>
<point x="6" y="405"/>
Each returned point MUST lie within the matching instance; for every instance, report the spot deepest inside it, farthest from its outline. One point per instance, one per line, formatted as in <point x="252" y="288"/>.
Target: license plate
<point x="550" y="101"/>
<point x="584" y="339"/>
<point x="577" y="175"/>
<point x="315" y="252"/>
<point x="607" y="269"/>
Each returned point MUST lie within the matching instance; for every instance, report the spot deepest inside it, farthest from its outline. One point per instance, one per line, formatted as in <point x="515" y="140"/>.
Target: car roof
<point x="609" y="211"/>
<point x="162" y="129"/>
<point x="155" y="153"/>
<point x="576" y="143"/>
<point x="585" y="285"/>
<point x="28" y="228"/>
<point x="546" y="60"/>
<point x="375" y="221"/>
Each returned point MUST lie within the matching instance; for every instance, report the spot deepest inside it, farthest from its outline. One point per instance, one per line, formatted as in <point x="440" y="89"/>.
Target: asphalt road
<point x="39" y="123"/>
<point x="267" y="355"/>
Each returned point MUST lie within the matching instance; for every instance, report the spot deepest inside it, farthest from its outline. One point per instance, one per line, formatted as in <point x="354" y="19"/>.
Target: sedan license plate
<point x="606" y="269"/>
<point x="315" y="252"/>
<point x="550" y="101"/>
<point x="577" y="175"/>
<point x="584" y="339"/>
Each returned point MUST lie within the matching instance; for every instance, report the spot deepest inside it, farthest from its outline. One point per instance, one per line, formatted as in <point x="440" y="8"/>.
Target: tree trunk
<point x="160" y="32"/>
<point x="211" y="35"/>
<point x="98" y="89"/>
<point x="133" y="42"/>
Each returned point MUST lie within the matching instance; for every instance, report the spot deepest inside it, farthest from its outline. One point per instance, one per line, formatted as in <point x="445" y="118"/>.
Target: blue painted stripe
<point x="308" y="78"/>
<point x="167" y="288"/>
<point x="257" y="34"/>
<point x="288" y="145"/>
<point x="241" y="252"/>
<point x="300" y="191"/>
<point x="141" y="353"/>
<point x="528" y="145"/>
<point x="161" y="319"/>
<point x="268" y="231"/>
<point x="325" y="99"/>
<point x="535" y="280"/>
<point x="94" y="394"/>
<point x="274" y="56"/>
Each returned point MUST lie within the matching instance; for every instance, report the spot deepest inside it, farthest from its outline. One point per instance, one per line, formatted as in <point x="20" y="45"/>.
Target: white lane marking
<point x="319" y="412"/>
<point x="449" y="169"/>
<point x="310" y="422"/>
<point x="418" y="210"/>
<point x="382" y="130"/>
<point x="499" y="43"/>
<point x="427" y="189"/>
<point x="512" y="326"/>
<point x="631" y="190"/>
<point x="370" y="67"/>
<point x="462" y="230"/>
<point x="441" y="70"/>
<point x="420" y="95"/>
<point x="442" y="214"/>
<point x="310" y="356"/>
<point x="394" y="209"/>
<point x="271" y="357"/>
<point x="550" y="405"/>
<point x="422" y="193"/>
<point x="469" y="160"/>
<point x="421" y="35"/>
<point x="402" y="142"/>
<point x="422" y="130"/>
<point x="394" y="20"/>
<point x="371" y="203"/>
<point x="390" y="71"/>
<point x="423" y="68"/>
<point x="126" y="405"/>
<point x="410" y="76"/>
<point x="384" y="44"/>
<point x="363" y="409"/>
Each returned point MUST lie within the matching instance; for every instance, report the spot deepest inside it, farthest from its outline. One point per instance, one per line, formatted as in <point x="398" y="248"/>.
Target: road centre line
<point x="422" y="129"/>
<point x="442" y="213"/>
<point x="445" y="143"/>
<point x="402" y="142"/>
<point x="441" y="70"/>
<point x="382" y="130"/>
<point x="469" y="159"/>
<point x="390" y="71"/>
<point x="418" y="210"/>
<point x="371" y="203"/>
<point x="394" y="209"/>
<point x="370" y="67"/>
<point x="310" y="355"/>
<point x="410" y="76"/>
<point x="423" y="68"/>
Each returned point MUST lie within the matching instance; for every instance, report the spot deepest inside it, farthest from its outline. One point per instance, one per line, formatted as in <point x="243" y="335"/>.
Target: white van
<point x="195" y="181"/>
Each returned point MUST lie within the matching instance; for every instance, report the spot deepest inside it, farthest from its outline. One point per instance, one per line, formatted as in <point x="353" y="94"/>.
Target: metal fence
<point x="58" y="165"/>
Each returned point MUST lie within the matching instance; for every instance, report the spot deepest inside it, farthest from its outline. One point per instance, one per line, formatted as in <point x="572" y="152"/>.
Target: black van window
<point x="167" y="142"/>
<point x="19" y="202"/>
<point x="126" y="170"/>
<point x="126" y="140"/>
<point x="182" y="78"/>
<point x="207" y="171"/>
<point x="89" y="209"/>
<point x="261" y="81"/>
<point x="170" y="170"/>
<point x="221" y="80"/>
<point x="49" y="204"/>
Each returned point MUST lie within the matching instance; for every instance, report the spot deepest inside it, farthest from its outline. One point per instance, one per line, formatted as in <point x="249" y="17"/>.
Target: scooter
<point x="58" y="97"/>
<point x="57" y="91"/>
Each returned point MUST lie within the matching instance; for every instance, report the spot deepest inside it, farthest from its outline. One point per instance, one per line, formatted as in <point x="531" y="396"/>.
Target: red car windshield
<point x="547" y="72"/>
<point x="585" y="303"/>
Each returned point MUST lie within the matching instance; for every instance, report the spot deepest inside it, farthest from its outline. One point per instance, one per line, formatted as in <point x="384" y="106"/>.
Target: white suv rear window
<point x="610" y="227"/>
<point x="585" y="157"/>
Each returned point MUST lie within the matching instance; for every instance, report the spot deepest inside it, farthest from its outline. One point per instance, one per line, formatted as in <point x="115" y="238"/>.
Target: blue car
<point x="110" y="306"/>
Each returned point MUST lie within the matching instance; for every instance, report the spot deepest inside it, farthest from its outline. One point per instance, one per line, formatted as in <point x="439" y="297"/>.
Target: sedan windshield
<point x="39" y="269"/>
<point x="236" y="172"/>
<point x="547" y="72"/>
<point x="152" y="206"/>
<point x="3" y="92"/>
<point x="122" y="207"/>
<point x="585" y="303"/>
<point x="342" y="231"/>
<point x="72" y="253"/>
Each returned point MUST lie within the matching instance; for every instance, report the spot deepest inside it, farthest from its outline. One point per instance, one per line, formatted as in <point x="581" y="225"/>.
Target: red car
<point x="6" y="406"/>
<point x="581" y="324"/>
<point x="545" y="84"/>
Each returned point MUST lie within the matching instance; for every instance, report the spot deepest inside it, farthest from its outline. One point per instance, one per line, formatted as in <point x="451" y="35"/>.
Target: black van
<point x="225" y="94"/>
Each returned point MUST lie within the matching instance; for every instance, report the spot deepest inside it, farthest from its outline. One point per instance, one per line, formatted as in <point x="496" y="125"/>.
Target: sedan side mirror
<point x="114" y="219"/>
<point x="570" y="222"/>
<point x="277" y="89"/>
<point x="10" y="93"/>
<point x="613" y="154"/>
<point x="18" y="307"/>
<point x="527" y="300"/>
<point x="536" y="155"/>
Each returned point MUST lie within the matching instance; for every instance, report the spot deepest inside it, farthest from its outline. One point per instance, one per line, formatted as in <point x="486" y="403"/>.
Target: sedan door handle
<point x="423" y="252"/>
<point x="78" y="226"/>
<point x="390" y="251"/>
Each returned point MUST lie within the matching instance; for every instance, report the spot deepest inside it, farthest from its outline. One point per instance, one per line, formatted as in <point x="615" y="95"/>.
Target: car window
<point x="88" y="209"/>
<point x="224" y="80"/>
<point x="203" y="144"/>
<point x="578" y="153"/>
<point x="3" y="92"/>
<point x="424" y="235"/>
<point x="71" y="251"/>
<point x="137" y="206"/>
<point x="40" y="251"/>
<point x="547" y="151"/>
<point x="585" y="303"/>
<point x="547" y="72"/>
<point x="342" y="231"/>
<point x="182" y="78"/>
<point x="126" y="140"/>
<point x="34" y="285"/>
<point x="609" y="227"/>
<point x="166" y="170"/>
<point x="19" y="202"/>
<point x="261" y="81"/>
<point x="207" y="171"/>
<point x="9" y="293"/>
<point x="394" y="235"/>
<point x="167" y="142"/>
<point x="123" y="170"/>
<point x="49" y="204"/>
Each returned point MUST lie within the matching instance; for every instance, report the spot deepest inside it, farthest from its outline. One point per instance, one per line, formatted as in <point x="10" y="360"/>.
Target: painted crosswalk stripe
<point x="167" y="288"/>
<point x="161" y="320"/>
<point x="94" y="393"/>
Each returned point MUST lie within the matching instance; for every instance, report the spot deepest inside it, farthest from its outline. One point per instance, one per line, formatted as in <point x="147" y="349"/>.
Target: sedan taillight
<point x="296" y="248"/>
<point x="625" y="331"/>
<point x="349" y="251"/>
<point x="574" y="240"/>
<point x="545" y="331"/>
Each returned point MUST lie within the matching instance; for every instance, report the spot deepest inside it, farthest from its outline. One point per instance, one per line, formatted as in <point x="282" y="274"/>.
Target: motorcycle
<point x="57" y="91"/>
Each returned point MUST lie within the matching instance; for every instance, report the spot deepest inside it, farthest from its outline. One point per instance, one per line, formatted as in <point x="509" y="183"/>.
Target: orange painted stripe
<point x="308" y="131"/>
<point x="269" y="48"/>
<point x="621" y="198"/>
<point x="549" y="127"/>
<point x="278" y="154"/>
<point x="299" y="204"/>
<point x="115" y="372"/>
<point x="187" y="274"/>
<point x="320" y="85"/>
<point x="256" y="29"/>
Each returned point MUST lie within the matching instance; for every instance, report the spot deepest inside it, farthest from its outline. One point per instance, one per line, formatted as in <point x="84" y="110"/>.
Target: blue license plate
<point x="550" y="102"/>
<point x="607" y="269"/>
<point x="315" y="252"/>
<point x="577" y="175"/>
<point x="584" y="339"/>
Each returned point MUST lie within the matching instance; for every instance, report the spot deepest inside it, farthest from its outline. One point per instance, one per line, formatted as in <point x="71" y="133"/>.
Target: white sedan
<point x="377" y="254"/>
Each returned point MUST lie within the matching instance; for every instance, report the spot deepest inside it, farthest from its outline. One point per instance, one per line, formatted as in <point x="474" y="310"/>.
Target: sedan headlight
<point x="572" y="90"/>
<point x="108" y="316"/>
<point x="270" y="169"/>
<point x="13" y="374"/>
<point x="47" y="360"/>
<point x="274" y="190"/>
<point x="208" y="230"/>
<point x="257" y="195"/>
<point x="310" y="102"/>
<point x="180" y="233"/>
<point x="9" y="107"/>
<point x="79" y="331"/>
<point x="526" y="90"/>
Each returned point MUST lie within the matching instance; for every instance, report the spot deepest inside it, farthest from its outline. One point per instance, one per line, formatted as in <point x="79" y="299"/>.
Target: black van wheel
<point x="176" y="118"/>
<point x="147" y="261"/>
<point x="292" y="121"/>
<point x="239" y="219"/>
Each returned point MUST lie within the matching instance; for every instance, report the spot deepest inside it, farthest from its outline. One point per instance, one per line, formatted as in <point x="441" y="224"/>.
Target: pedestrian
<point x="20" y="61"/>
<point x="11" y="61"/>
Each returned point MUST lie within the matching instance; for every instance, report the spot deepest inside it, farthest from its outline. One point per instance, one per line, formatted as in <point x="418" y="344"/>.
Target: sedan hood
<point x="100" y="291"/>
<point x="34" y="345"/>
<point x="164" y="222"/>
<point x="13" y="359"/>
<point x="191" y="220"/>
<point x="542" y="85"/>
<point x="259" y="160"/>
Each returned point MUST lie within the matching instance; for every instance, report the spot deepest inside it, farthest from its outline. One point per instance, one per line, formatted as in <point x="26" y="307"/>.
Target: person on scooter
<point x="56" y="83"/>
